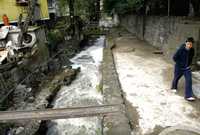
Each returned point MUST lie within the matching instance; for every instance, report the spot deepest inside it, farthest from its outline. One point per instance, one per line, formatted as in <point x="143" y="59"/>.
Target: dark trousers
<point x="178" y="73"/>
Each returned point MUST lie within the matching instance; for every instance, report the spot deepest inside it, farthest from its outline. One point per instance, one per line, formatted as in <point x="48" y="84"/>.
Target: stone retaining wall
<point x="163" y="32"/>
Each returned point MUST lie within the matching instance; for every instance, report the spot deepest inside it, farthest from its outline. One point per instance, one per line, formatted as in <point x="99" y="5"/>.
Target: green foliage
<point x="63" y="6"/>
<point x="93" y="31"/>
<point x="98" y="131"/>
<point x="99" y="88"/>
<point x="55" y="37"/>
<point x="123" y="6"/>
<point x="82" y="8"/>
<point x="136" y="4"/>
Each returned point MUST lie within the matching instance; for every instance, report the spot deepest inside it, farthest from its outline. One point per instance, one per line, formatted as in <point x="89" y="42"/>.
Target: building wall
<point x="12" y="10"/>
<point x="53" y="6"/>
<point x="44" y="9"/>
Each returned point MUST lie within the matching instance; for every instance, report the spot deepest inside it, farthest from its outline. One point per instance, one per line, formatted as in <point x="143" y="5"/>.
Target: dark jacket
<point x="183" y="57"/>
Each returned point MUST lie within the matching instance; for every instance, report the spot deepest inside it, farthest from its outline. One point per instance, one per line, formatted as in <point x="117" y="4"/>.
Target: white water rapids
<point x="82" y="92"/>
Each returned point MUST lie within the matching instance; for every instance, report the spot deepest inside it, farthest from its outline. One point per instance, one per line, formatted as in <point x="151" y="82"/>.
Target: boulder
<point x="196" y="90"/>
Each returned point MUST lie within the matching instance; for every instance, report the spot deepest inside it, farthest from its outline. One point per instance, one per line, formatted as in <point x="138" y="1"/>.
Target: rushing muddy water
<point x="83" y="91"/>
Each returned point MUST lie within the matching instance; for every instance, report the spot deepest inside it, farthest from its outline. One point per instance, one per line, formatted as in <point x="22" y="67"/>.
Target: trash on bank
<point x="10" y="51"/>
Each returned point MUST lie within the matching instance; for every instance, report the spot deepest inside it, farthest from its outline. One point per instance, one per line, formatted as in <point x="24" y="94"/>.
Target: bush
<point x="123" y="6"/>
<point x="55" y="37"/>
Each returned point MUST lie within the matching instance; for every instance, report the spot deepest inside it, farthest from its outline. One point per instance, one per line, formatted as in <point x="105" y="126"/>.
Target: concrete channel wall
<point x="163" y="32"/>
<point x="117" y="124"/>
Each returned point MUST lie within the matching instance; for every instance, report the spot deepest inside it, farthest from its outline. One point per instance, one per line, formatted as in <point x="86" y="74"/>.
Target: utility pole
<point x="169" y="7"/>
<point x="71" y="13"/>
<point x="97" y="10"/>
<point x="94" y="10"/>
<point x="71" y="10"/>
<point x="24" y="27"/>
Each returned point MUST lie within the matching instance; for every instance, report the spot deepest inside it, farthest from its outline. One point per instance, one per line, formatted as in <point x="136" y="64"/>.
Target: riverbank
<point x="119" y="123"/>
<point x="45" y="82"/>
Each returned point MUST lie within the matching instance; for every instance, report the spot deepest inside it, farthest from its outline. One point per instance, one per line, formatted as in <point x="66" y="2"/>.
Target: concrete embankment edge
<point x="117" y="124"/>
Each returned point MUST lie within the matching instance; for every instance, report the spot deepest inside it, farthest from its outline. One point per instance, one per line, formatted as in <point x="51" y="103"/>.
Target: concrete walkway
<point x="145" y="79"/>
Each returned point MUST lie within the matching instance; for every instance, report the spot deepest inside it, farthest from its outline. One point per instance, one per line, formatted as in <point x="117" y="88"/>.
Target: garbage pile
<point x="10" y="50"/>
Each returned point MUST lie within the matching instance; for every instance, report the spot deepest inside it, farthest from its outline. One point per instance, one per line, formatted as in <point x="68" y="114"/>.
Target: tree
<point x="87" y="9"/>
<point x="123" y="6"/>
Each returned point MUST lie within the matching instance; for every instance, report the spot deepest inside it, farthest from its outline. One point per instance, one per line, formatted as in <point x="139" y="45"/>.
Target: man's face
<point x="188" y="45"/>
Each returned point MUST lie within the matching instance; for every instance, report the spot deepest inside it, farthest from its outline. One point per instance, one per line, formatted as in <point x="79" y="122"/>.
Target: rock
<point x="21" y="88"/>
<point x="78" y="70"/>
<point x="44" y="68"/>
<point x="21" y="94"/>
<point x="196" y="75"/>
<point x="30" y="99"/>
<point x="19" y="130"/>
<point x="54" y="65"/>
<point x="196" y="90"/>
<point x="198" y="63"/>
<point x="42" y="105"/>
<point x="10" y="132"/>
<point x="181" y="130"/>
<point x="17" y="75"/>
<point x="70" y="75"/>
<point x="28" y="89"/>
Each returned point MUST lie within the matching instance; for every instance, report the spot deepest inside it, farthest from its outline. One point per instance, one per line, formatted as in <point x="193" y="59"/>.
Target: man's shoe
<point x="174" y="90"/>
<point x="190" y="99"/>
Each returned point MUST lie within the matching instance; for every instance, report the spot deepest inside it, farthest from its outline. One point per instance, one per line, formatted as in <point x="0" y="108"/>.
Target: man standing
<point x="183" y="59"/>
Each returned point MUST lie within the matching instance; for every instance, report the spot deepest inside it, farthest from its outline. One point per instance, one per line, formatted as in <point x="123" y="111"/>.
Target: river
<point x="83" y="91"/>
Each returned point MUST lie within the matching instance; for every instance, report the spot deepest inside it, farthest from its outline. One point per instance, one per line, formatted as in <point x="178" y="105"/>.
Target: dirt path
<point x="145" y="79"/>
